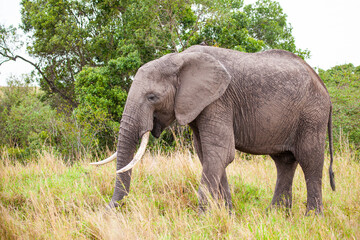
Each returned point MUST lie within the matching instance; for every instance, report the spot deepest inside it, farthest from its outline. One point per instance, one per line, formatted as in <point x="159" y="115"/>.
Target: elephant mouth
<point x="158" y="128"/>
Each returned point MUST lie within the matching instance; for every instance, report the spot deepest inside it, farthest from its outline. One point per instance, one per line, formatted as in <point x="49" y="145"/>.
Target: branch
<point x="50" y="83"/>
<point x="195" y="28"/>
<point x="172" y="27"/>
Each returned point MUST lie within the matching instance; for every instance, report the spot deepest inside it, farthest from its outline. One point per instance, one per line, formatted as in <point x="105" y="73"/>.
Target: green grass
<point x="48" y="199"/>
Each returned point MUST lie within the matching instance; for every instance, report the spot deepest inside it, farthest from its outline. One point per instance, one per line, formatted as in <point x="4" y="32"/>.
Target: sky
<point x="328" y="28"/>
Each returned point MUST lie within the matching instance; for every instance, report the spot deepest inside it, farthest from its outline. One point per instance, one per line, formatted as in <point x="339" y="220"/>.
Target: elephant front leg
<point x="217" y="151"/>
<point x="225" y="191"/>
<point x="212" y="186"/>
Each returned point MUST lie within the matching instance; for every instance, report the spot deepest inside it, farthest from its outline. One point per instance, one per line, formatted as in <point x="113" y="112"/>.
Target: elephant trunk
<point x="139" y="153"/>
<point x="127" y="141"/>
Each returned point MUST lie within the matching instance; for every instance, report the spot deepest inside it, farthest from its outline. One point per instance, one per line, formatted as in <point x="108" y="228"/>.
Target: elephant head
<point x="176" y="86"/>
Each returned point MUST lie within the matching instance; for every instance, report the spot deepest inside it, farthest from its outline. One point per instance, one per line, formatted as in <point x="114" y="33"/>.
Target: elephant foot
<point x="313" y="213"/>
<point x="202" y="210"/>
<point x="318" y="211"/>
<point x="112" y="205"/>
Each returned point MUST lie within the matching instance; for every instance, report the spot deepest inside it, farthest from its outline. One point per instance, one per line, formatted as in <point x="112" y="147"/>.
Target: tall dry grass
<point x="48" y="199"/>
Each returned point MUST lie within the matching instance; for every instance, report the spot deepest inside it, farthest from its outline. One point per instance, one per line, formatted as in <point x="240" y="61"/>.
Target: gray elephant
<point x="270" y="103"/>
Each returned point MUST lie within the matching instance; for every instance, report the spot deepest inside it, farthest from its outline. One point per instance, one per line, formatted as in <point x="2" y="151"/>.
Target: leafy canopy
<point x="343" y="84"/>
<point x="87" y="51"/>
<point x="67" y="35"/>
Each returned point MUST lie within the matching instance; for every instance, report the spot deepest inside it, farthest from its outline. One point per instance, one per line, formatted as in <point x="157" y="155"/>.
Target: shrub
<point x="343" y="83"/>
<point x="101" y="93"/>
<point x="24" y="118"/>
<point x="28" y="125"/>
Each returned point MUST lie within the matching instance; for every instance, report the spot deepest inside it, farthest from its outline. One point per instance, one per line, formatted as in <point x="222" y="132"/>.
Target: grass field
<point x="48" y="199"/>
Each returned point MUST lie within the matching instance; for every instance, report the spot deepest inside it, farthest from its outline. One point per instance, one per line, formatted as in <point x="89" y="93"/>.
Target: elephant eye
<point x="152" y="97"/>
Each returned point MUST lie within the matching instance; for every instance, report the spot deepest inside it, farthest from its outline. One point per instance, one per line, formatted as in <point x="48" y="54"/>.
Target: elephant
<point x="266" y="103"/>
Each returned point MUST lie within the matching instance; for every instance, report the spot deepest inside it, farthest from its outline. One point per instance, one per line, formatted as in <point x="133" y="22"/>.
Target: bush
<point x="28" y="125"/>
<point x="101" y="93"/>
<point x="24" y="118"/>
<point x="343" y="84"/>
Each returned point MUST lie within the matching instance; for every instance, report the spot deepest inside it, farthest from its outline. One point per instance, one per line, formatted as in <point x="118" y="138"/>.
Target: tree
<point x="9" y="44"/>
<point x="102" y="93"/>
<point x="85" y="49"/>
<point x="149" y="31"/>
<point x="269" y="24"/>
<point x="67" y="35"/>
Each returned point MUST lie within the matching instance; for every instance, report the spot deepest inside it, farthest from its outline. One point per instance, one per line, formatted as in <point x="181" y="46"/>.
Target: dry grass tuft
<point x="48" y="199"/>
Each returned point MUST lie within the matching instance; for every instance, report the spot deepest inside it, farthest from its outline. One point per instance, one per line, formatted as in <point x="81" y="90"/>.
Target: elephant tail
<point x="331" y="173"/>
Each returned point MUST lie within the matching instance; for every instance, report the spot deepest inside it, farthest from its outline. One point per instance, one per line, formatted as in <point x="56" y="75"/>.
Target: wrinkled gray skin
<point x="269" y="103"/>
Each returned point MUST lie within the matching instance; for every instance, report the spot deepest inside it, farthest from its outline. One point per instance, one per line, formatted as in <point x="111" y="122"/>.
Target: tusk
<point x="109" y="159"/>
<point x="139" y="153"/>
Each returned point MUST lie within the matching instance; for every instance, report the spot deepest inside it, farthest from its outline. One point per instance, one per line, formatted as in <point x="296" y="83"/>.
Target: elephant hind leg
<point x="310" y="155"/>
<point x="312" y="163"/>
<point x="286" y="166"/>
<point x="312" y="167"/>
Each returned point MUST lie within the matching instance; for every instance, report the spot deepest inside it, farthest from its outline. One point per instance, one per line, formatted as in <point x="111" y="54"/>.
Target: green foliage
<point x="29" y="125"/>
<point x="230" y="31"/>
<point x="102" y="94"/>
<point x="68" y="35"/>
<point x="88" y="51"/>
<point x="150" y="29"/>
<point x="173" y="138"/>
<point x="31" y="117"/>
<point x="9" y="42"/>
<point x="268" y="23"/>
<point x="23" y="118"/>
<point x="343" y="83"/>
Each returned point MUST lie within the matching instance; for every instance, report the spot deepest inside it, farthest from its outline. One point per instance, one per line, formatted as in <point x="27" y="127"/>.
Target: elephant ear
<point x="202" y="79"/>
